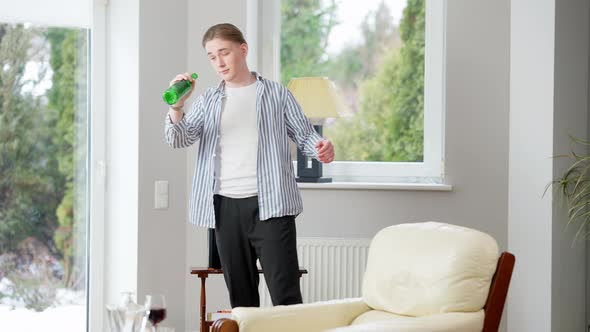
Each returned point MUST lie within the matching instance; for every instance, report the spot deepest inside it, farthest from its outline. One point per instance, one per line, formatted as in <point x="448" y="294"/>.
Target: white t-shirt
<point x="237" y="145"/>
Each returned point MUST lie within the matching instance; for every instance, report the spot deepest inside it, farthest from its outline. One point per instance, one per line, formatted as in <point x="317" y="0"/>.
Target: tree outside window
<point x="43" y="150"/>
<point x="380" y="74"/>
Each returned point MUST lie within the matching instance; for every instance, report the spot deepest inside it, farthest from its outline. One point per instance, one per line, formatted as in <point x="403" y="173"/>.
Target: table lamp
<point x="318" y="100"/>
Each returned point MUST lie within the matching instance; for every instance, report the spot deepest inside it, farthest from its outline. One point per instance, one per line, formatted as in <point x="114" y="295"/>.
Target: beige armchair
<point x="419" y="277"/>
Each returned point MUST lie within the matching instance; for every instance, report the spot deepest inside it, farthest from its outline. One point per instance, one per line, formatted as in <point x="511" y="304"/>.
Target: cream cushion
<point x="429" y="268"/>
<point x="313" y="317"/>
<point x="376" y="320"/>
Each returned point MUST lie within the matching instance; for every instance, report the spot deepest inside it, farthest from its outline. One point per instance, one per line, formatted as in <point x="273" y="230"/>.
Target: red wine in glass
<point x="156" y="304"/>
<point x="157" y="315"/>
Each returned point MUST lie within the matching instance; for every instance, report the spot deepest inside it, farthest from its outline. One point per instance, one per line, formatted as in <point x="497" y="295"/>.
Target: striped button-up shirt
<point x="279" y="117"/>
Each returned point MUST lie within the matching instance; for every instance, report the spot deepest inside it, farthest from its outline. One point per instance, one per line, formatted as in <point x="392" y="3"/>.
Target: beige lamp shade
<point x="317" y="96"/>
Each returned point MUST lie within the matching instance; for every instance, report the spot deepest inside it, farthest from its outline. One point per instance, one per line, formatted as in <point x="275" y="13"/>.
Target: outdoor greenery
<point x="573" y="188"/>
<point x="385" y="73"/>
<point x="38" y="156"/>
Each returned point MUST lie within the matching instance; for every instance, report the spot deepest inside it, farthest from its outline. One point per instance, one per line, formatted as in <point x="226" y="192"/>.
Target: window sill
<point x="376" y="186"/>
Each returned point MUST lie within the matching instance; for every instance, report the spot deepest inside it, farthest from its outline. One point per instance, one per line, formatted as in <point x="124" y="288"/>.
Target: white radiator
<point x="335" y="269"/>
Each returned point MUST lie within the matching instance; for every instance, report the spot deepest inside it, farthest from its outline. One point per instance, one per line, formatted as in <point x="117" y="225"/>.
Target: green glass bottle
<point x="173" y="94"/>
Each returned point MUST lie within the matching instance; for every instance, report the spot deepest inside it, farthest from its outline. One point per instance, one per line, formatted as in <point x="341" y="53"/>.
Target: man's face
<point x="227" y="58"/>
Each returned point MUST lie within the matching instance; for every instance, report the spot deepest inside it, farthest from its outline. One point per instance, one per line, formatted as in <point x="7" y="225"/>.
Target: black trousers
<point x="241" y="238"/>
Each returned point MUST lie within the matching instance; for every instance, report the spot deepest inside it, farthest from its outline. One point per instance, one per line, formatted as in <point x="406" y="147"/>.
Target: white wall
<point x="532" y="60"/>
<point x="162" y="247"/>
<point x="549" y="84"/>
<point x="121" y="146"/>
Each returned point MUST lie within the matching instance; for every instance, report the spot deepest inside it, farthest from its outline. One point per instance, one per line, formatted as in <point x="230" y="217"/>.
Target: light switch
<point x="161" y="195"/>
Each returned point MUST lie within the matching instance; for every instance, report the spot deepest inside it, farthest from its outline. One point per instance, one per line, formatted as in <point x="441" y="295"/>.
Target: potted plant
<point x="573" y="186"/>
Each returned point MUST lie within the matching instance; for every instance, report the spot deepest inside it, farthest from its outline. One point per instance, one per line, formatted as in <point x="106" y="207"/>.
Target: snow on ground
<point x="67" y="318"/>
<point x="68" y="314"/>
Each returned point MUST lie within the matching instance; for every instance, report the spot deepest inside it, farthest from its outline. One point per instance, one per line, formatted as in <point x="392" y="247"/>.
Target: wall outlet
<point x="161" y="195"/>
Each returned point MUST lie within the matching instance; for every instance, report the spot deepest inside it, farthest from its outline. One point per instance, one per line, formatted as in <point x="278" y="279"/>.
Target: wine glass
<point x="155" y="305"/>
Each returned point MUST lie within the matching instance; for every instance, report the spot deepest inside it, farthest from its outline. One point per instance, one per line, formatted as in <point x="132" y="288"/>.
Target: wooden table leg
<point x="203" y="304"/>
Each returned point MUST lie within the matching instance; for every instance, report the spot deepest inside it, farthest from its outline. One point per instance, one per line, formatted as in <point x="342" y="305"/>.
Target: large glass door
<point x="44" y="151"/>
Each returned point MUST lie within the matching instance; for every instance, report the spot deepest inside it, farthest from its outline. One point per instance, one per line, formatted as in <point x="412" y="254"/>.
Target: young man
<point x="244" y="185"/>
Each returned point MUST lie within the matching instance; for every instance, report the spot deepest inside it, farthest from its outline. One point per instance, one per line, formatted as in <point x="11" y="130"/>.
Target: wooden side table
<point x="203" y="273"/>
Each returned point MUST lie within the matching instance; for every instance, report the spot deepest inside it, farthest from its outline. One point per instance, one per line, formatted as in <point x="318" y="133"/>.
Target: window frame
<point x="265" y="33"/>
<point x="90" y="15"/>
<point x="97" y="168"/>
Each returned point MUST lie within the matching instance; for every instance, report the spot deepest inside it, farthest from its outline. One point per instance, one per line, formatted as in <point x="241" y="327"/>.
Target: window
<point x="386" y="58"/>
<point x="45" y="140"/>
<point x="43" y="153"/>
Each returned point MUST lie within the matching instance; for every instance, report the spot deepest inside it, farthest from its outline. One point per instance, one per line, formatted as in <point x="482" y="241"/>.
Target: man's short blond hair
<point x="224" y="31"/>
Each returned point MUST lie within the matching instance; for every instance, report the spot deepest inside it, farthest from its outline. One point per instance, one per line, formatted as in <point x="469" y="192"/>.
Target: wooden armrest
<point x="225" y="325"/>
<point x="498" y="291"/>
